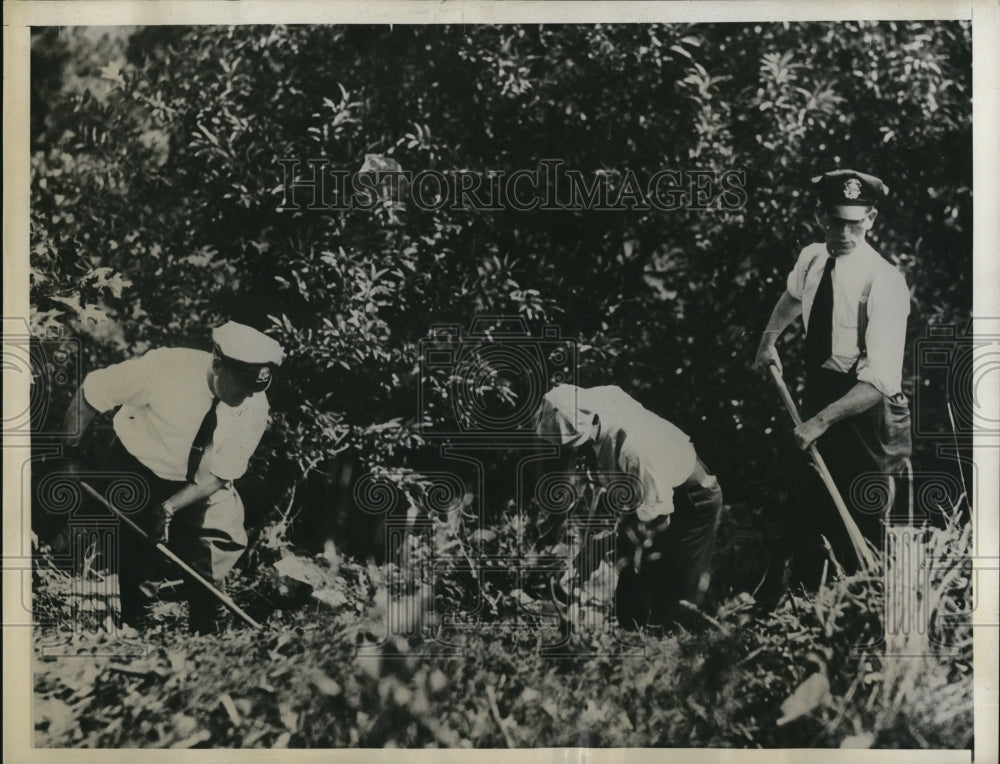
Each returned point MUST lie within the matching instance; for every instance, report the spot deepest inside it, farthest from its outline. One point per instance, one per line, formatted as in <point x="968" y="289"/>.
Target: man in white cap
<point x="187" y="423"/>
<point x="664" y="542"/>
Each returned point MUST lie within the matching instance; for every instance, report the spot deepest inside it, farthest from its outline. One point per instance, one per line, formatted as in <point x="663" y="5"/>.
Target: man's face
<point x="843" y="235"/>
<point x="231" y="388"/>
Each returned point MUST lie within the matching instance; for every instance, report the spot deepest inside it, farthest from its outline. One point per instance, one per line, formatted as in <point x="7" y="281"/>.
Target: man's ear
<point x="869" y="220"/>
<point x="818" y="214"/>
<point x="216" y="365"/>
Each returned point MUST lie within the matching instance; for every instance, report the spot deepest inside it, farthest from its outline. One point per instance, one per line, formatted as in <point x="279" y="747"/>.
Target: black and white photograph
<point x="497" y="380"/>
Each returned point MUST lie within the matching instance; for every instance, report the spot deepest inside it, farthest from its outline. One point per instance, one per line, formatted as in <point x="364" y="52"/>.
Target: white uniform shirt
<point x="164" y="396"/>
<point x="631" y="440"/>
<point x="888" y="307"/>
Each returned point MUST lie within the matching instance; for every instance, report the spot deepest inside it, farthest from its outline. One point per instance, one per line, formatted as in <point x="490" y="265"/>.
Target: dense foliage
<point x="156" y="188"/>
<point x="158" y="203"/>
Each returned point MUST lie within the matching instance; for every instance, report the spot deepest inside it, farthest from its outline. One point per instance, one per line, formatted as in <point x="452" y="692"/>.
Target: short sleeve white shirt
<point x="888" y="305"/>
<point x="636" y="441"/>
<point x="164" y="396"/>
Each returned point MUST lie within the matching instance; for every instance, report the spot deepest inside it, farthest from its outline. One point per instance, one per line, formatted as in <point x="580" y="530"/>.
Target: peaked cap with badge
<point x="849" y="193"/>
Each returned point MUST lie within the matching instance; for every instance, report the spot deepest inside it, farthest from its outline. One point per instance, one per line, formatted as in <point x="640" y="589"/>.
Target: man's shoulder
<point x="648" y="430"/>
<point x="179" y="354"/>
<point x="884" y="273"/>
<point x="810" y="252"/>
<point x="604" y="394"/>
<point x="256" y="408"/>
<point x="171" y="361"/>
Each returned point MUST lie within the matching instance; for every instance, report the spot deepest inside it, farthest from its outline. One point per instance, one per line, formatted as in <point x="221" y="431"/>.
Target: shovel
<point x="162" y="549"/>
<point x="864" y="554"/>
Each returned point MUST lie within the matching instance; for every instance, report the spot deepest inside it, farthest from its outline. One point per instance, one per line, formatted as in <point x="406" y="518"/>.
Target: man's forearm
<point x="195" y="492"/>
<point x="78" y="417"/>
<point x="786" y="310"/>
<point x="858" y="399"/>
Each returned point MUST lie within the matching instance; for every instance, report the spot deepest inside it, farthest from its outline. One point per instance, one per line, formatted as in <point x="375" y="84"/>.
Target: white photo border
<point x="19" y="16"/>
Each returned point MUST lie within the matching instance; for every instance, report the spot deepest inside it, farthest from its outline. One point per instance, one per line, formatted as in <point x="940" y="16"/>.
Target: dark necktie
<point x="819" y="334"/>
<point x="201" y="440"/>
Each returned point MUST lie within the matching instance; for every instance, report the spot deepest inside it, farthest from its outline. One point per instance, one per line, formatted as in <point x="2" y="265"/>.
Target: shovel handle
<point x="864" y="555"/>
<point x="162" y="549"/>
<point x="786" y="396"/>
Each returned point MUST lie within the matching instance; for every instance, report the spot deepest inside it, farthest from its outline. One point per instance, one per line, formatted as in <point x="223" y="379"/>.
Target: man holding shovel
<point x="854" y="305"/>
<point x="187" y="423"/>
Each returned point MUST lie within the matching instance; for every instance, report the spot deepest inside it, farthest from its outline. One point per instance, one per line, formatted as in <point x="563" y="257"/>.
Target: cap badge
<point x="263" y="374"/>
<point x="852" y="189"/>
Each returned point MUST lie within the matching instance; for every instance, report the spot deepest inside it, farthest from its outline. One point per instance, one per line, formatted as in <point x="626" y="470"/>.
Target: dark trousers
<point x="867" y="490"/>
<point x="209" y="550"/>
<point x="668" y="559"/>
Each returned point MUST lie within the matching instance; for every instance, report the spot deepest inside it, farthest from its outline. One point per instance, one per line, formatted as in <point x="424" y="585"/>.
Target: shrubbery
<point x="155" y="195"/>
<point x="156" y="188"/>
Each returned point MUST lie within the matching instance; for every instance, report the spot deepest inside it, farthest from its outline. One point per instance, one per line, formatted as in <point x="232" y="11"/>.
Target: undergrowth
<point x="323" y="673"/>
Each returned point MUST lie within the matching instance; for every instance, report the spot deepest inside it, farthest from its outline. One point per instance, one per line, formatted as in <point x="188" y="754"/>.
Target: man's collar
<point x="863" y="250"/>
